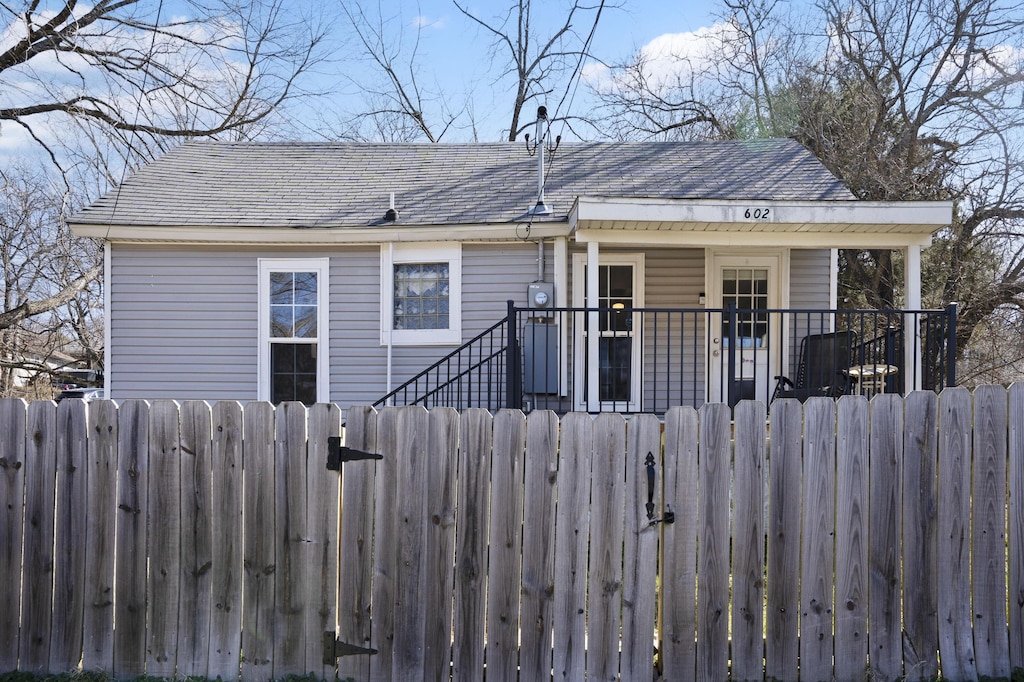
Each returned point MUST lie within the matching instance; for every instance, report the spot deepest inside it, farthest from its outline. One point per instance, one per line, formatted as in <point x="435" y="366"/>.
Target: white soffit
<point x="737" y="221"/>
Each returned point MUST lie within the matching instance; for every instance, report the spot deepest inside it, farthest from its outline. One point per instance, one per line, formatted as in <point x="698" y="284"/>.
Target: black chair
<point x="824" y="361"/>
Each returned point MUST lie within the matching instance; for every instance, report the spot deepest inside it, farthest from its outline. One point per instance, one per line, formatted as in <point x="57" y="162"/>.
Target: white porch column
<point x="593" y="327"/>
<point x="912" y="301"/>
<point x="561" y="258"/>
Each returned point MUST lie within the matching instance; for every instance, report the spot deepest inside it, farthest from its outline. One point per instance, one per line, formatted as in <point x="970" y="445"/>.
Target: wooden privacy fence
<point x="825" y="541"/>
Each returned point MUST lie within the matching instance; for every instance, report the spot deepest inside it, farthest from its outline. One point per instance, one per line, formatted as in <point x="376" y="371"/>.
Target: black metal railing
<point x="650" y="359"/>
<point x="472" y="375"/>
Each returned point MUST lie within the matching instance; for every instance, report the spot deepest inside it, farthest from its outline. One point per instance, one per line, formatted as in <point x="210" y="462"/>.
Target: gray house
<point x="599" y="276"/>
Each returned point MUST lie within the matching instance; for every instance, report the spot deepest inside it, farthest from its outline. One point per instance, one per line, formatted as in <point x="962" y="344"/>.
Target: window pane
<point x="305" y="288"/>
<point x="281" y="321"/>
<point x="421" y="296"/>
<point x="293" y="372"/>
<point x="305" y="322"/>
<point x="293" y="305"/>
<point x="280" y="288"/>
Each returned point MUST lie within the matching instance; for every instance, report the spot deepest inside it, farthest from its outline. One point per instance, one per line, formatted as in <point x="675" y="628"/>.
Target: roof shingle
<point x="320" y="185"/>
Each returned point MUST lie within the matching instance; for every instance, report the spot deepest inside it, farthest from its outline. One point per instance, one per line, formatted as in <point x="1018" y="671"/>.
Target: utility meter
<point x="540" y="294"/>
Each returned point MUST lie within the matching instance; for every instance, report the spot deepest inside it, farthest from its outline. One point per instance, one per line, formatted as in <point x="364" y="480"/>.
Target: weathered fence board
<point x="817" y="541"/>
<point x="442" y="469"/>
<point x="164" y="538"/>
<point x="748" y="543"/>
<point x="956" y="639"/>
<point x="640" y="548"/>
<point x="385" y="551"/>
<point x="713" y="544"/>
<point x="1016" y="519"/>
<point x="12" y="525"/>
<point x="471" y="544"/>
<point x="37" y="576"/>
<point x="851" y="612"/>
<point x="290" y="540"/>
<point x="785" y="474"/>
<point x="69" y="537"/>
<point x="678" y="606"/>
<point x="536" y="605"/>
<point x="355" y="567"/>
<point x="196" y="558"/>
<point x="517" y="547"/>
<point x="226" y="542"/>
<point x="988" y="533"/>
<point x="132" y="534"/>
<point x="505" y="546"/>
<point x="320" y="570"/>
<point x="885" y="588"/>
<point x="920" y="519"/>
<point x="604" y="596"/>
<point x="101" y="483"/>
<point x="410" y="508"/>
<point x="259" y="531"/>
<point x="572" y="530"/>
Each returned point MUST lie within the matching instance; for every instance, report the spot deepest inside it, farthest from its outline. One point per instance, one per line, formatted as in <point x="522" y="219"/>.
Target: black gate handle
<point x="670" y="516"/>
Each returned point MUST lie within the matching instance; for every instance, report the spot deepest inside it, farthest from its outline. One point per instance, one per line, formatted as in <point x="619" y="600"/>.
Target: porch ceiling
<point x="735" y="222"/>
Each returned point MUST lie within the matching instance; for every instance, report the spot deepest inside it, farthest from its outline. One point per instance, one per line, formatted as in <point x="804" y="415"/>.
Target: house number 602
<point x="756" y="213"/>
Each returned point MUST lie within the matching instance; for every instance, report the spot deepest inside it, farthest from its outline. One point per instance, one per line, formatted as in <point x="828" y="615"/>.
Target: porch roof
<point x="753" y="223"/>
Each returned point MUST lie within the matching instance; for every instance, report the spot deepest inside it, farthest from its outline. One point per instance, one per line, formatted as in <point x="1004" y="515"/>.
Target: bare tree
<point x="528" y="65"/>
<point x="49" y="281"/>
<point x="145" y="75"/>
<point x="96" y="90"/>
<point x="901" y="99"/>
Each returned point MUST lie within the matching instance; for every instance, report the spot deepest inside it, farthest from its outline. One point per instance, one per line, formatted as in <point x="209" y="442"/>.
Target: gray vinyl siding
<point x="675" y="278"/>
<point x="809" y="278"/>
<point x="183" y="323"/>
<point x="491" y="274"/>
<point x="184" y="320"/>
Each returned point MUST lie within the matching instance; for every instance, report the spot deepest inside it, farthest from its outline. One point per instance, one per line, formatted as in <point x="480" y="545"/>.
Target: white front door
<point x="620" y="289"/>
<point x="747" y="283"/>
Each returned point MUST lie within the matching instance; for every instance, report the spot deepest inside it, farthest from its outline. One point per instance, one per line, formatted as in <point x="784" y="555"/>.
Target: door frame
<point x="777" y="262"/>
<point x="579" y="292"/>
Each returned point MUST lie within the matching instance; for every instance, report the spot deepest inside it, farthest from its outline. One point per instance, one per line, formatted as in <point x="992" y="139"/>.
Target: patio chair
<point x="823" y="369"/>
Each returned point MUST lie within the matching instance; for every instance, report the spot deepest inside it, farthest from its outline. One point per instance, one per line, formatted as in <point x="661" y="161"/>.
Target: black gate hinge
<point x="337" y="454"/>
<point x="334" y="649"/>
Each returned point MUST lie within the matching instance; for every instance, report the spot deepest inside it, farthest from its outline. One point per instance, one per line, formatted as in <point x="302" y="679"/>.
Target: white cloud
<point x="423" y="21"/>
<point x="667" y="59"/>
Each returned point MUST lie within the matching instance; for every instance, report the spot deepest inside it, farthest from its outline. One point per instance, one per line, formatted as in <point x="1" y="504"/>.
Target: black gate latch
<point x="670" y="516"/>
<point x="338" y="454"/>
<point x="335" y="649"/>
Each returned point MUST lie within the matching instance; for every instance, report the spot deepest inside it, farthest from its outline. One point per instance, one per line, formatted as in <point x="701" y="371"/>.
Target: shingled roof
<point x="337" y="185"/>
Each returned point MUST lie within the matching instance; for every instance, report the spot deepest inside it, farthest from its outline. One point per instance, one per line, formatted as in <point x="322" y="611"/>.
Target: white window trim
<point x="321" y="266"/>
<point x="426" y="252"/>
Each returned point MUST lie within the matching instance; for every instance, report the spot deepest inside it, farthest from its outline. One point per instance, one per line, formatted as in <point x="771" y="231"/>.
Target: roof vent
<point x="391" y="215"/>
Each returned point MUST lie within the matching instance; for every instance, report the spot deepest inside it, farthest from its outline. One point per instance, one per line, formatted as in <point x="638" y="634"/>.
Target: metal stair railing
<point x="472" y="375"/>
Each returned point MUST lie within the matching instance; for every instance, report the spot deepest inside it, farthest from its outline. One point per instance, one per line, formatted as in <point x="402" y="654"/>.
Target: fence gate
<point x="501" y="543"/>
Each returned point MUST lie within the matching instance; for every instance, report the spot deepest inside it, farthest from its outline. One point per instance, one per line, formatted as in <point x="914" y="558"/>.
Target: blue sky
<point x="453" y="52"/>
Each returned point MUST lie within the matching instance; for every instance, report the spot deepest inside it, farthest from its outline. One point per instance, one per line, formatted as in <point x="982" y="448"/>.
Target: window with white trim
<point x="421" y="294"/>
<point x="293" y="362"/>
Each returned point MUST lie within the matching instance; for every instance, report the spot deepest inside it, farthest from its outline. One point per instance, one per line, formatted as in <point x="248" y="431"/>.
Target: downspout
<point x="390" y="313"/>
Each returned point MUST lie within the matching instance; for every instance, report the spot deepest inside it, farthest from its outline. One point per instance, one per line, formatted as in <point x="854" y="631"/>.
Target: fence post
<point x="513" y="376"/>
<point x="951" y="345"/>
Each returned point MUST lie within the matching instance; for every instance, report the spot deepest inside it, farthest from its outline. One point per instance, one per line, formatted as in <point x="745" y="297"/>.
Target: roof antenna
<point x="539" y="146"/>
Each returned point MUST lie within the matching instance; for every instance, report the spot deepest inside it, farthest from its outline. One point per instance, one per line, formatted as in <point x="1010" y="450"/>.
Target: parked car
<point x="85" y="394"/>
